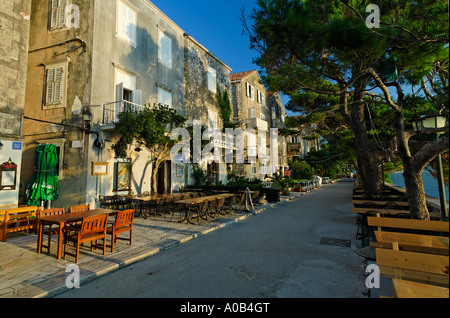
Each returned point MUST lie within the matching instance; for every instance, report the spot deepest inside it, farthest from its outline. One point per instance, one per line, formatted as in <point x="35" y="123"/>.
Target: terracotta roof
<point x="240" y="75"/>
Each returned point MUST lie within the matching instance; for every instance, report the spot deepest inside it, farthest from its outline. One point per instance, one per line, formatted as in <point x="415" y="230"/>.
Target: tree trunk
<point x="412" y="176"/>
<point x="415" y="193"/>
<point x="367" y="159"/>
<point x="154" y="180"/>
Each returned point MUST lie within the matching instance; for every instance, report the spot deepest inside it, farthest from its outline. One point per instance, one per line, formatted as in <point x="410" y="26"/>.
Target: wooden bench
<point x="18" y="220"/>
<point x="408" y="289"/>
<point x="430" y="244"/>
<point x="409" y="224"/>
<point x="418" y="267"/>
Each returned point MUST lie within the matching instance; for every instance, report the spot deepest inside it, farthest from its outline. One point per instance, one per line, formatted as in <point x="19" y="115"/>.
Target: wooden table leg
<point x="60" y="240"/>
<point x="40" y="233"/>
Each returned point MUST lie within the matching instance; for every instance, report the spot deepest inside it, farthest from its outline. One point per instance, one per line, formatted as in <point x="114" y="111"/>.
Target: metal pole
<point x="444" y="211"/>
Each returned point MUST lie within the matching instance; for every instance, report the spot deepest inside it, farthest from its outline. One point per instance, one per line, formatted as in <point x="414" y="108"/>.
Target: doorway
<point x="164" y="177"/>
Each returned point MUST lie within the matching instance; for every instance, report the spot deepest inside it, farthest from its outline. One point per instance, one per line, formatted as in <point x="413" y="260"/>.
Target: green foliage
<point x="149" y="128"/>
<point x="224" y="103"/>
<point x="301" y="170"/>
<point x="201" y="178"/>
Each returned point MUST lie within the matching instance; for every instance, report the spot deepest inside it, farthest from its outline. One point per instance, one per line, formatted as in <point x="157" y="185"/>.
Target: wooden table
<point x="194" y="201"/>
<point x="61" y="220"/>
<point x="409" y="289"/>
<point x="433" y="215"/>
<point x="155" y="197"/>
<point x="381" y="203"/>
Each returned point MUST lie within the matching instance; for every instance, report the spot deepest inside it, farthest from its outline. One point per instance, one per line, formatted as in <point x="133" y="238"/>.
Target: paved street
<point x="282" y="252"/>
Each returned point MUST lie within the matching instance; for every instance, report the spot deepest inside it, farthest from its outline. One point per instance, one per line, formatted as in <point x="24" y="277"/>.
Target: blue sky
<point x="217" y="26"/>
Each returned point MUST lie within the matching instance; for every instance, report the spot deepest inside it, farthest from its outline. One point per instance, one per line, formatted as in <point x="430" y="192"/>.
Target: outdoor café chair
<point x="212" y="209"/>
<point x="220" y="205"/>
<point x="93" y="228"/>
<point x="230" y="204"/>
<point x="49" y="231"/>
<point x="201" y="210"/>
<point x="79" y="208"/>
<point x="123" y="223"/>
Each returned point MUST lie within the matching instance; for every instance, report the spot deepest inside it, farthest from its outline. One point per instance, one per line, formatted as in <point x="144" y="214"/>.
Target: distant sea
<point x="430" y="184"/>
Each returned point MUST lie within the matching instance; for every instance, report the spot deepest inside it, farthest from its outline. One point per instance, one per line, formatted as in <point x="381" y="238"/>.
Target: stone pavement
<point x="26" y="274"/>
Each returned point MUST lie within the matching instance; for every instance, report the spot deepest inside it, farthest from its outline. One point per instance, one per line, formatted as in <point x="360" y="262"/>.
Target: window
<point x="251" y="112"/>
<point x="250" y="91"/>
<point x="212" y="79"/>
<point x="57" y="13"/>
<point x="55" y="87"/>
<point x="126" y="23"/>
<point x="165" y="49"/>
<point x="212" y="119"/>
<point x="164" y="97"/>
<point x="263" y="116"/>
<point x="261" y="98"/>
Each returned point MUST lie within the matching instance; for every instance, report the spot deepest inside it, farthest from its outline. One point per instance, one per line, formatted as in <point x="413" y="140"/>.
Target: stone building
<point x="256" y="109"/>
<point x="205" y="74"/>
<point x="277" y="120"/>
<point x="14" y="35"/>
<point x="301" y="141"/>
<point x="100" y="60"/>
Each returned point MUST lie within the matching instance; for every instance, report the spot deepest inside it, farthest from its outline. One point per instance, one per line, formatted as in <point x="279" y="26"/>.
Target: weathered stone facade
<point x="252" y="110"/>
<point x="112" y="59"/>
<point x="14" y="36"/>
<point x="204" y="74"/>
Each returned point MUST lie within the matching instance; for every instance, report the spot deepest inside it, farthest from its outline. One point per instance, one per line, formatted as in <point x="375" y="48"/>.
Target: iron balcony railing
<point x="112" y="110"/>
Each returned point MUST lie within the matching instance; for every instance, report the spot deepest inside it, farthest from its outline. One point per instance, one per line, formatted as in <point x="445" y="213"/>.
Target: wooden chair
<point x="122" y="224"/>
<point x="93" y="228"/>
<point x="79" y="208"/>
<point x="220" y="206"/>
<point x="49" y="231"/>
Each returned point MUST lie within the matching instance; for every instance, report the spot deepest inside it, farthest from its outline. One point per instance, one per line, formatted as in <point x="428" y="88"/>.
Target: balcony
<point x="294" y="148"/>
<point x="112" y="110"/>
<point x="257" y="123"/>
<point x="277" y="123"/>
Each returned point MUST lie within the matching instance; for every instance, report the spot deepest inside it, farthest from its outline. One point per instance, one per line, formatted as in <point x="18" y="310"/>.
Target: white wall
<point x="13" y="150"/>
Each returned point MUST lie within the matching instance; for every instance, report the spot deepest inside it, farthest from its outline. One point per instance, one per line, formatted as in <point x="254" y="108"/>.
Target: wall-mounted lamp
<point x="87" y="117"/>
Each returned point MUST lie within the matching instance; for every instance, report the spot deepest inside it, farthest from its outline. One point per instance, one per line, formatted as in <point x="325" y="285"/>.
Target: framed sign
<point x="8" y="175"/>
<point x="122" y="175"/>
<point x="99" y="168"/>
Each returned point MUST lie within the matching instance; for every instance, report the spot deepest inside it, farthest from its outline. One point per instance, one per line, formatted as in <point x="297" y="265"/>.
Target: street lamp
<point x="435" y="121"/>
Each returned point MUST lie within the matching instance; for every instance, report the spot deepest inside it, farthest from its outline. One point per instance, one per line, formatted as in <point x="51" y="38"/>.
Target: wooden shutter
<point x="58" y="85"/>
<point x="62" y="12"/>
<point x="50" y="89"/>
<point x="136" y="97"/>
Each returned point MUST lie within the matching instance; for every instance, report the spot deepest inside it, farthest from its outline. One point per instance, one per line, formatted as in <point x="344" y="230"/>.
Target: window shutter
<point x="50" y="79"/>
<point x="122" y="17"/>
<point x="130" y="25"/>
<point x="62" y="12"/>
<point x="252" y="92"/>
<point x="136" y="96"/>
<point x="58" y="94"/>
<point x="165" y="49"/>
<point x="258" y="96"/>
<point x="54" y="14"/>
<point x="246" y="89"/>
